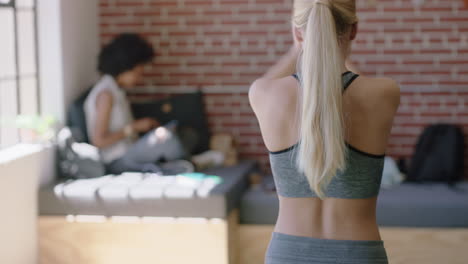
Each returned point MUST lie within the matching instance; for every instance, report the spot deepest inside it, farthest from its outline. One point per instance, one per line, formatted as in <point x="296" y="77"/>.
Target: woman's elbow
<point x="98" y="142"/>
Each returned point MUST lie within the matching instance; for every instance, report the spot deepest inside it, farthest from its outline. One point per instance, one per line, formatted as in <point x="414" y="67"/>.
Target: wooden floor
<point x="165" y="241"/>
<point x="403" y="245"/>
<point x="220" y="241"/>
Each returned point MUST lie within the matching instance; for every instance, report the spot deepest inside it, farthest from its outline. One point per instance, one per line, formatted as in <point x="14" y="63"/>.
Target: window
<point x="19" y="85"/>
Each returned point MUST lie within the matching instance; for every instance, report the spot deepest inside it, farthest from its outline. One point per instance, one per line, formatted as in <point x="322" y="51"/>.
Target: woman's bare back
<point x="369" y="106"/>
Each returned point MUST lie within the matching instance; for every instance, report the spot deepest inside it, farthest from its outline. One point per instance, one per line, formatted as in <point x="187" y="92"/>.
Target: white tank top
<point x="120" y="116"/>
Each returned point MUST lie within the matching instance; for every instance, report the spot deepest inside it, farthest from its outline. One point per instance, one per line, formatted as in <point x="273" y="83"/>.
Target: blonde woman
<point x="326" y="129"/>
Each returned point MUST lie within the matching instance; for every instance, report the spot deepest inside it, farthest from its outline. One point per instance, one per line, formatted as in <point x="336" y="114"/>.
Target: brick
<point x="228" y="43"/>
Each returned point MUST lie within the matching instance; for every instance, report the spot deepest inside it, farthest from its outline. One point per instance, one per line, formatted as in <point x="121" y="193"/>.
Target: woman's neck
<point x="344" y="68"/>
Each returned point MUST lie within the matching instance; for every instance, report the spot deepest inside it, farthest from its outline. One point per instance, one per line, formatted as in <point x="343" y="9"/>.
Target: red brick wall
<point x="223" y="45"/>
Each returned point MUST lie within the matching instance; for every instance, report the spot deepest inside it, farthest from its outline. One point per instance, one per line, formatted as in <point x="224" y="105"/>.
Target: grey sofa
<point x="136" y="194"/>
<point x="405" y="205"/>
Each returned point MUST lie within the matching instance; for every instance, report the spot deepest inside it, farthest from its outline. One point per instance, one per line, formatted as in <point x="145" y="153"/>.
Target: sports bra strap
<point x="296" y="77"/>
<point x="348" y="78"/>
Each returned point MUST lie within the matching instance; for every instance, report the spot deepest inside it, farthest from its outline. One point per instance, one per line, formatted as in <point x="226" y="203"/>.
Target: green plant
<point x="36" y="128"/>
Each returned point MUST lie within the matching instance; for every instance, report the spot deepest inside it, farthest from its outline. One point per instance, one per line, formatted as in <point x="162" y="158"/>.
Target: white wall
<point x="80" y="46"/>
<point x="50" y="58"/>
<point x="19" y="166"/>
<point x="68" y="48"/>
<point x="68" y="43"/>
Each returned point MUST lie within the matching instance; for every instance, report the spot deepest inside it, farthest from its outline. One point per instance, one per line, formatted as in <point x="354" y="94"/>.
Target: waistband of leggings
<point x="323" y="241"/>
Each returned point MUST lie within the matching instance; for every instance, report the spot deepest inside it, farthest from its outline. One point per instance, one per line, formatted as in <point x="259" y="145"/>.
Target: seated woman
<point x="109" y="120"/>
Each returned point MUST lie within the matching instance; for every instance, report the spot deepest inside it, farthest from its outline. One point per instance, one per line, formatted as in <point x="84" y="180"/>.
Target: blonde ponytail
<point x="322" y="150"/>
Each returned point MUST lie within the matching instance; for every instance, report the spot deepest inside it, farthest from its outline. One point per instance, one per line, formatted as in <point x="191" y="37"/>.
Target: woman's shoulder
<point x="267" y="91"/>
<point x="101" y="91"/>
<point x="380" y="83"/>
<point x="383" y="84"/>
<point x="381" y="94"/>
<point x="106" y="82"/>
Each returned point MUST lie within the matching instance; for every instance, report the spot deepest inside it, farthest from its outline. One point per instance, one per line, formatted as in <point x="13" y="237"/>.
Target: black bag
<point x="189" y="110"/>
<point x="439" y="155"/>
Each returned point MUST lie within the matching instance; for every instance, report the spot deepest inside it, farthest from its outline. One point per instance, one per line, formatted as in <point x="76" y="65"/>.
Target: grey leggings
<point x="146" y="151"/>
<point x="289" y="249"/>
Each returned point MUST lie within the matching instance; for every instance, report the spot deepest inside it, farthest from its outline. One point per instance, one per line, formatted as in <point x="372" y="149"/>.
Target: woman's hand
<point x="144" y="124"/>
<point x="286" y="64"/>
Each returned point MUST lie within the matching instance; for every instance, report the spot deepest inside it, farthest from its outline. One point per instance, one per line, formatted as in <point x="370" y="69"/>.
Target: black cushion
<point x="188" y="110"/>
<point x="76" y="118"/>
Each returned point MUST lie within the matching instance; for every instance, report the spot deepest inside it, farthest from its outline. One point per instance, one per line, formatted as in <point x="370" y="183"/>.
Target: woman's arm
<point x="286" y="66"/>
<point x="101" y="136"/>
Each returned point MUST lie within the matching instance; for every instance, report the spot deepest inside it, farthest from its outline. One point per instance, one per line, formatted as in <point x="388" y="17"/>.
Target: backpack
<point x="438" y="156"/>
<point x="77" y="160"/>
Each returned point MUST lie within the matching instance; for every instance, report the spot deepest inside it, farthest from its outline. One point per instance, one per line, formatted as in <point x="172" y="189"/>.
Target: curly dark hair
<point x="123" y="53"/>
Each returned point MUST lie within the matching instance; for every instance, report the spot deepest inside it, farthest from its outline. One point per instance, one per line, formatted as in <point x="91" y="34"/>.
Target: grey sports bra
<point x="360" y="179"/>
